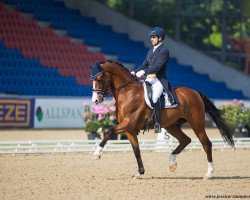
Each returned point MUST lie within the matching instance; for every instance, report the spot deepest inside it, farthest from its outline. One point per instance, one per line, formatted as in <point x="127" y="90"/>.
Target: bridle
<point x="105" y="92"/>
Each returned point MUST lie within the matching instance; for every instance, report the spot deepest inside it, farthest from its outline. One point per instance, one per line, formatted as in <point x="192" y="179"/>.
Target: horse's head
<point x="108" y="76"/>
<point x="101" y="85"/>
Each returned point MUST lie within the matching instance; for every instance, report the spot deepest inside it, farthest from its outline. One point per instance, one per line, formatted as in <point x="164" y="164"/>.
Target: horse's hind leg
<point x="199" y="129"/>
<point x="183" y="139"/>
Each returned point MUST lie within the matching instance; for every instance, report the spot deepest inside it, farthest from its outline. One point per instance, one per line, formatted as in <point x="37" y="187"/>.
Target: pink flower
<point x="105" y="110"/>
<point x="85" y="103"/>
<point x="97" y="109"/>
<point x="100" y="117"/>
<point x="235" y="101"/>
<point x="112" y="108"/>
<point x="103" y="113"/>
<point x="241" y="103"/>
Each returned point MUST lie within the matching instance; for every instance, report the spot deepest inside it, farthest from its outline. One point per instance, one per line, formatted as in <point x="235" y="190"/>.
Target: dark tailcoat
<point x="156" y="63"/>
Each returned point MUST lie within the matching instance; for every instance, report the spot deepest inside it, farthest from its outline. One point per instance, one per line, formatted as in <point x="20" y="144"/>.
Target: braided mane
<point x="116" y="62"/>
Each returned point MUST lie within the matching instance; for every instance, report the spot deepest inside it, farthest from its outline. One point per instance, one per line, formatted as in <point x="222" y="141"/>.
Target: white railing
<point x="88" y="146"/>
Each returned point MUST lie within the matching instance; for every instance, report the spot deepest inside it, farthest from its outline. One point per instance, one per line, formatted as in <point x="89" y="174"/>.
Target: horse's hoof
<point x="206" y="177"/>
<point x="136" y="176"/>
<point x="96" y="157"/>
<point x="173" y="167"/>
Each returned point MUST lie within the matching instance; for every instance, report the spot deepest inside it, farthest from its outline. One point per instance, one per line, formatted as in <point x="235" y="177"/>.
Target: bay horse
<point x="132" y="113"/>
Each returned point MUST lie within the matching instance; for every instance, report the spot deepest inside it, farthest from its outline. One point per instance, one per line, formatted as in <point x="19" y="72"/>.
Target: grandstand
<point x="35" y="60"/>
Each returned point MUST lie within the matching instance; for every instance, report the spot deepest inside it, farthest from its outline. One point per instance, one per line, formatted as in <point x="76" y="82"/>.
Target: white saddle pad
<point x="167" y="102"/>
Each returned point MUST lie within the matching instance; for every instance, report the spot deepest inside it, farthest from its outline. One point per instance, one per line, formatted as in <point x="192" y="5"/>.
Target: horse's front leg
<point x="121" y="127"/>
<point x="98" y="151"/>
<point x="135" y="144"/>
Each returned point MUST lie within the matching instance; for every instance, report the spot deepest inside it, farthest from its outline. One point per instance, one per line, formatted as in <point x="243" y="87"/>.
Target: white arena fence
<point x="88" y="146"/>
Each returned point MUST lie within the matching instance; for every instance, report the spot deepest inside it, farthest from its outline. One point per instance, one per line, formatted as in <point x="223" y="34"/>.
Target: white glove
<point x="140" y="73"/>
<point x="132" y="73"/>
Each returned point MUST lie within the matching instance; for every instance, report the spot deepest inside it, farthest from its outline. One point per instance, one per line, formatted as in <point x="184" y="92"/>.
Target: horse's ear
<point x="95" y="70"/>
<point x="97" y="64"/>
<point x="92" y="66"/>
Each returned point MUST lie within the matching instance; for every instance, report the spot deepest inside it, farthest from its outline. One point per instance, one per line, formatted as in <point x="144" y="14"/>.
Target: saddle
<point x="168" y="98"/>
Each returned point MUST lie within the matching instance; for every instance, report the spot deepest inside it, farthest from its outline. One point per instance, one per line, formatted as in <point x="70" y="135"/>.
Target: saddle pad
<point x="166" y="100"/>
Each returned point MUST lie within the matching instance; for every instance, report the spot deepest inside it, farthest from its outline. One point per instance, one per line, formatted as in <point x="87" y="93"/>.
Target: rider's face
<point x="155" y="40"/>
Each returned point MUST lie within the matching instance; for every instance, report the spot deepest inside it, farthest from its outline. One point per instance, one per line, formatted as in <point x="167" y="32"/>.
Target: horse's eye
<point x="100" y="81"/>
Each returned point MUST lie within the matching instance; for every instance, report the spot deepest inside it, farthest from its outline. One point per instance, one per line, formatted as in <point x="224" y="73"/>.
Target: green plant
<point x="236" y="115"/>
<point x="99" y="117"/>
<point x="92" y="127"/>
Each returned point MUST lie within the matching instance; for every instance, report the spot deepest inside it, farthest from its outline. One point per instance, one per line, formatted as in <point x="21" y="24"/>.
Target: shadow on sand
<point x="199" y="178"/>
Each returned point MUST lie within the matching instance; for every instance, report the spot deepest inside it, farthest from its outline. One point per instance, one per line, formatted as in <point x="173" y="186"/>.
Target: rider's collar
<point x="96" y="69"/>
<point x="156" y="46"/>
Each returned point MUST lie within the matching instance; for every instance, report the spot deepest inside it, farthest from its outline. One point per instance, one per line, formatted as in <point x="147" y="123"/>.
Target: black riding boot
<point x="157" y="114"/>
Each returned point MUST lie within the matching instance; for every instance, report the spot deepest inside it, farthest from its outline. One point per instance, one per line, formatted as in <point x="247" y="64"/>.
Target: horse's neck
<point x="118" y="82"/>
<point x="120" y="77"/>
<point x="128" y="87"/>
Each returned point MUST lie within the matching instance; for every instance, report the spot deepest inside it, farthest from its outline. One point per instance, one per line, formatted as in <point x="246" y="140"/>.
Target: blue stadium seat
<point x="93" y="34"/>
<point x="24" y="76"/>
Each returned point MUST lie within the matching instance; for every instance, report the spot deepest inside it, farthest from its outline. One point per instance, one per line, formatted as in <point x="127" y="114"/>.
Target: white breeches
<point x="156" y="87"/>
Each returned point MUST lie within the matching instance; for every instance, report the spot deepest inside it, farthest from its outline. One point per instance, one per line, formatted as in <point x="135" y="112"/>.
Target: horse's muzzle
<point x="100" y="99"/>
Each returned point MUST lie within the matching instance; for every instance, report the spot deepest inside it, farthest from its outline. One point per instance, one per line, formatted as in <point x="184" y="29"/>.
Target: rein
<point x="96" y="70"/>
<point x="124" y="85"/>
<point x="107" y="91"/>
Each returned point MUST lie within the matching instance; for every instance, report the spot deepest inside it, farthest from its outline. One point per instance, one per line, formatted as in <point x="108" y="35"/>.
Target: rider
<point x="154" y="67"/>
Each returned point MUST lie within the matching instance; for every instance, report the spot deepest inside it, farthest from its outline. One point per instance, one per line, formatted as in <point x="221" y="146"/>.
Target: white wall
<point x="58" y="113"/>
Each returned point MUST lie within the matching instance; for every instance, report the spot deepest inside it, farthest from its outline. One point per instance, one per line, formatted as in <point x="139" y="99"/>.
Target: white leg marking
<point x="136" y="175"/>
<point x="210" y="170"/>
<point x="94" y="94"/>
<point x="172" y="163"/>
<point x="97" y="153"/>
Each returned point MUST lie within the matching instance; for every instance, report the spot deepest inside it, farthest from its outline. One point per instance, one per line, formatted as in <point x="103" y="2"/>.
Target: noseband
<point x="103" y="92"/>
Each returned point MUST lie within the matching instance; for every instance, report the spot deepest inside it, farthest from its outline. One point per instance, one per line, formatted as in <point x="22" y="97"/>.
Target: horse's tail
<point x="216" y="115"/>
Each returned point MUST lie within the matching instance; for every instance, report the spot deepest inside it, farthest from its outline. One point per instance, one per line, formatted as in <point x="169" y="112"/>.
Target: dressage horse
<point x="132" y="113"/>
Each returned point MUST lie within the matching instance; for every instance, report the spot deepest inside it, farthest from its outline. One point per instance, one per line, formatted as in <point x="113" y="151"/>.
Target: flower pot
<point x="93" y="136"/>
<point x="113" y="136"/>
